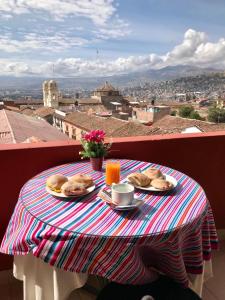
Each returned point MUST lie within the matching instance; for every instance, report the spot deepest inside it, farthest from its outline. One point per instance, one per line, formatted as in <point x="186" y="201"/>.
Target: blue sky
<point x="82" y="37"/>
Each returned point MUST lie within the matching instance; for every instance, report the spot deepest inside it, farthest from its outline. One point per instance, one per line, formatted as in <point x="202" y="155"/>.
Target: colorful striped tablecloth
<point x="171" y="231"/>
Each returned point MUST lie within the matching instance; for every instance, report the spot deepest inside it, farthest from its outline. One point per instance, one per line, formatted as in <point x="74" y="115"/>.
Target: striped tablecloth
<point x="173" y="232"/>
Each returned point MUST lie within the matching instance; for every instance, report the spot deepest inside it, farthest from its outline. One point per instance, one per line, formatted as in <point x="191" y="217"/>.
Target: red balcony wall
<point x="201" y="156"/>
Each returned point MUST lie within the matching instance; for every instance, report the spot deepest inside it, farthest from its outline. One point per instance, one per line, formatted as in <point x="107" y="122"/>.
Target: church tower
<point x="45" y="92"/>
<point x="51" y="94"/>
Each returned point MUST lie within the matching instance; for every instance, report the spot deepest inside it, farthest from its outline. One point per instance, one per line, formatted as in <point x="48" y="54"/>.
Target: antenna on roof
<point x="97" y="54"/>
<point x="53" y="70"/>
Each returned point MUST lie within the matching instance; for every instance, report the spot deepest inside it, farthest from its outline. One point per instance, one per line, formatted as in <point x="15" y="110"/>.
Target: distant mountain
<point x="90" y="83"/>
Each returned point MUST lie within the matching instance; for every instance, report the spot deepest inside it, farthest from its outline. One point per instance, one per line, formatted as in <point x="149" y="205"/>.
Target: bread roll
<point x="161" y="184"/>
<point x="139" y="179"/>
<point x="71" y="188"/>
<point x="54" y="182"/>
<point x="153" y="173"/>
<point x="86" y="180"/>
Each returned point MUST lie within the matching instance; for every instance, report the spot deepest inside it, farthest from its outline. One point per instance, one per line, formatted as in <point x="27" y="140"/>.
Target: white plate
<point x="135" y="203"/>
<point x="61" y="195"/>
<point x="151" y="188"/>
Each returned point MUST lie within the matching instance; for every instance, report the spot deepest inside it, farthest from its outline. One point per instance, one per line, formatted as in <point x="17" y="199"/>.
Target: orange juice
<point x="112" y="172"/>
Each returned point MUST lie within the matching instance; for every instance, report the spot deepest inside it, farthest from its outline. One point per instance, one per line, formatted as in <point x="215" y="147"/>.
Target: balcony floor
<point x="214" y="289"/>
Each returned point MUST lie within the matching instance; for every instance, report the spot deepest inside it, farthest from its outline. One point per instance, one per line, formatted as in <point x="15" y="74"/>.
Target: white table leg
<point x="44" y="282"/>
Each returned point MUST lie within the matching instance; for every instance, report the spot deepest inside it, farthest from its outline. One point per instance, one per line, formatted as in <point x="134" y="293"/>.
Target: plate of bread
<point x="152" y="179"/>
<point x="61" y="186"/>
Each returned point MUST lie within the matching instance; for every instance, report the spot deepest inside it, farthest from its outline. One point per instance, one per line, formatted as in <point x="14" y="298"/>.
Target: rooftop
<point x="89" y="122"/>
<point x="89" y="101"/>
<point x="170" y="124"/>
<point x="132" y="128"/>
<point x="44" y="111"/>
<point x="17" y="128"/>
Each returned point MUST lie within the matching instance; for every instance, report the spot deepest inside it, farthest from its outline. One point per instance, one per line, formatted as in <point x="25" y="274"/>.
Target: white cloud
<point x="33" y="41"/>
<point x="5" y="17"/>
<point x="99" y="11"/>
<point x="116" y="29"/>
<point x="195" y="49"/>
<point x="102" y="13"/>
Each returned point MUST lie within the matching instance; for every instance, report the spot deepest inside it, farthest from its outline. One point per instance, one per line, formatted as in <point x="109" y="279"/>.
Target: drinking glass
<point x="112" y="172"/>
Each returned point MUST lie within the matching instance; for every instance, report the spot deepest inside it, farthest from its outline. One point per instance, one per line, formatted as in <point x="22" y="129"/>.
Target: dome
<point x="107" y="87"/>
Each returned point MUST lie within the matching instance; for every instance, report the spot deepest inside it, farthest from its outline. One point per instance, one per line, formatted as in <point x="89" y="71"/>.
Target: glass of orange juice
<point x="112" y="172"/>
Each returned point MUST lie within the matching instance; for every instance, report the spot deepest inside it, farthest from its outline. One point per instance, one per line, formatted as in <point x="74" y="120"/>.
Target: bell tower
<point x="45" y="92"/>
<point x="51" y="94"/>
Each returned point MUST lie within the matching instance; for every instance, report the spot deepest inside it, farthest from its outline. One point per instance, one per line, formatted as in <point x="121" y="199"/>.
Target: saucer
<point x="136" y="202"/>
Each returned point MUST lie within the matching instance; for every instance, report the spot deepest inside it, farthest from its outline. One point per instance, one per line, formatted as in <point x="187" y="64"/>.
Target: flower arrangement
<point x="94" y="144"/>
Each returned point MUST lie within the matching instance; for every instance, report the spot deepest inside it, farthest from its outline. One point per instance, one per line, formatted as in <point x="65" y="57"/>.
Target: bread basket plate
<point x="153" y="189"/>
<point x="61" y="195"/>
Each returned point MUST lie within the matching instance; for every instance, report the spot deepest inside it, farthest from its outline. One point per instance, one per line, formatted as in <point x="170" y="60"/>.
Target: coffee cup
<point x="122" y="194"/>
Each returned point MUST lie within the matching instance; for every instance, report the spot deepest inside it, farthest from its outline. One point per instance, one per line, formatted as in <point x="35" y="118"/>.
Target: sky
<point x="67" y="38"/>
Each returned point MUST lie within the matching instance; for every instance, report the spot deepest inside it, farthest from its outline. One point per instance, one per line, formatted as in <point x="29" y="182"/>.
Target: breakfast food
<point x="139" y="179"/>
<point x="153" y="173"/>
<point x="161" y="184"/>
<point x="86" y="180"/>
<point x="55" y="182"/>
<point x="72" y="188"/>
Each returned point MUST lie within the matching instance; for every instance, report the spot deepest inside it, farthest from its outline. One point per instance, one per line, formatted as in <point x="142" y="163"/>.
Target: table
<point x="173" y="232"/>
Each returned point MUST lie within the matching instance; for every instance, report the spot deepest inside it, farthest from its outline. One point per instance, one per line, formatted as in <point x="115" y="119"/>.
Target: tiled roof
<point x="27" y="111"/>
<point x="13" y="108"/>
<point x="90" y="122"/>
<point x="170" y="124"/>
<point x="44" y="111"/>
<point x="94" y="108"/>
<point x="6" y="135"/>
<point x="112" y="126"/>
<point x="132" y="128"/>
<point x="22" y="127"/>
<point x="89" y="101"/>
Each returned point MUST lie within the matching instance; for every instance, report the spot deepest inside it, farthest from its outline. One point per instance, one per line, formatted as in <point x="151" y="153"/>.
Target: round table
<point x="173" y="232"/>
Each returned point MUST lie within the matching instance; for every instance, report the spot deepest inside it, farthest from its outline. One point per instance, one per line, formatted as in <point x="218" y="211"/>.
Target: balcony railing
<point x="200" y="156"/>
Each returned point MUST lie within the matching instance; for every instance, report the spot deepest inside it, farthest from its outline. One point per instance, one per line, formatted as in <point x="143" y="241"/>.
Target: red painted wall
<point x="200" y="156"/>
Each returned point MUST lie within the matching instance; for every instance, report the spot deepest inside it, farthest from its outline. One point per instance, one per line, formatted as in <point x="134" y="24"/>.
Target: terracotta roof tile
<point x="90" y="122"/>
<point x="27" y="111"/>
<point x="170" y="124"/>
<point x="23" y="127"/>
<point x="132" y="128"/>
<point x="44" y="111"/>
<point x="89" y="101"/>
<point x="6" y="136"/>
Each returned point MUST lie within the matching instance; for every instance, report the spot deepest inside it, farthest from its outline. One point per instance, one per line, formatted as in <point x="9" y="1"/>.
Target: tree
<point x="216" y="115"/>
<point x="195" y="115"/>
<point x="185" y="111"/>
<point x="173" y="113"/>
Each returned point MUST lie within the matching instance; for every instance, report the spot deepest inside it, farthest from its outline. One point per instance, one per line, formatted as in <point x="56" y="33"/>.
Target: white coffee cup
<point x="122" y="193"/>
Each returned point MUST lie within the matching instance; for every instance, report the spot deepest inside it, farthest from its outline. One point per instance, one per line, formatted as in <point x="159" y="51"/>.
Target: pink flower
<point x="96" y="136"/>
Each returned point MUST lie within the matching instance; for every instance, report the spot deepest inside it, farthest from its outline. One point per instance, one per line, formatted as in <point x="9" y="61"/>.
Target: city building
<point x="171" y="124"/>
<point x="18" y="128"/>
<point x="52" y="97"/>
<point x="75" y="123"/>
<point x="150" y="114"/>
<point x="220" y="103"/>
<point x="105" y="99"/>
<point x="44" y="113"/>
